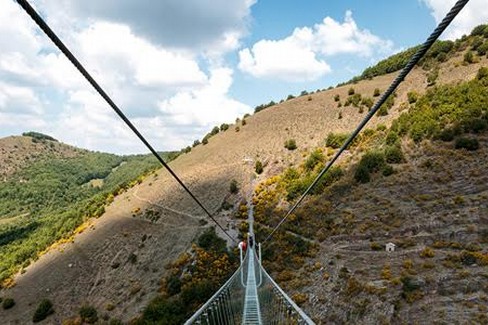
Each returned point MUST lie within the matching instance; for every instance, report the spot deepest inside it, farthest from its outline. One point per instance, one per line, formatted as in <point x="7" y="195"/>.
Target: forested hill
<point x="48" y="188"/>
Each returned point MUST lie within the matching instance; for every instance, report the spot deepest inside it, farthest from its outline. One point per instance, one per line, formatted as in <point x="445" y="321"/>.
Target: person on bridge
<point x="243" y="246"/>
<point x="251" y="241"/>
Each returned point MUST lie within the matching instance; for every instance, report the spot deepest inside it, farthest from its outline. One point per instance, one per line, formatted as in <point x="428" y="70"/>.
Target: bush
<point x="290" y="97"/>
<point x="8" y="303"/>
<point x="469" y="144"/>
<point x="258" y="167"/>
<point x="350" y="91"/>
<point x="88" y="314"/>
<point x="315" y="157"/>
<point x="209" y="240"/>
<point x="469" y="57"/>
<point x="361" y="174"/>
<point x="479" y="30"/>
<point x="412" y="97"/>
<point x="336" y="140"/>
<point x="392" y="138"/>
<point x="224" y="127"/>
<point x="394" y="155"/>
<point x="233" y="188"/>
<point x="237" y="129"/>
<point x="371" y="162"/>
<point x="243" y="122"/>
<point x="387" y="170"/>
<point x="376" y="92"/>
<point x="196" y="143"/>
<point x="205" y="140"/>
<point x="447" y="135"/>
<point x="44" y="309"/>
<point x="165" y="311"/>
<point x="290" y="144"/>
<point x="337" y="98"/>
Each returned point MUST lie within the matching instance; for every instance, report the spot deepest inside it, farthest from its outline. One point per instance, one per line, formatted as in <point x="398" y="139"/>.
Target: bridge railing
<point x="276" y="306"/>
<point x="227" y="304"/>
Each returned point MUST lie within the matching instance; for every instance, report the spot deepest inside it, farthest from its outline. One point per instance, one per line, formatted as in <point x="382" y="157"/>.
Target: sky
<point x="177" y="68"/>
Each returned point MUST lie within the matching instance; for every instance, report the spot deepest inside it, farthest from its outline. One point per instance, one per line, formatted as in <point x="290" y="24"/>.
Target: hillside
<point x="156" y="222"/>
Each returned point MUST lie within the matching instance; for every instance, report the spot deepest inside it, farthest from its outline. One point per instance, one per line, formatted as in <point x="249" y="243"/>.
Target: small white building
<point x="390" y="247"/>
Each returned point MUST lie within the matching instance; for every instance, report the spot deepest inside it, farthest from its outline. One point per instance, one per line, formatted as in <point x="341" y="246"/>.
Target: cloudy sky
<point x="179" y="67"/>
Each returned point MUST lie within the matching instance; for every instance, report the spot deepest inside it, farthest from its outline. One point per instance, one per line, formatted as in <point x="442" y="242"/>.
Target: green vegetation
<point x="258" y="167"/>
<point x="376" y="92"/>
<point x="290" y="144"/>
<point x="8" y="303"/>
<point x="263" y="106"/>
<point x="224" y="127"/>
<point x="447" y="110"/>
<point x="39" y="136"/>
<point x="233" y="188"/>
<point x="469" y="144"/>
<point x="49" y="198"/>
<point x="194" y="277"/>
<point x="44" y="309"/>
<point x="88" y="314"/>
<point x="350" y="92"/>
<point x="336" y="140"/>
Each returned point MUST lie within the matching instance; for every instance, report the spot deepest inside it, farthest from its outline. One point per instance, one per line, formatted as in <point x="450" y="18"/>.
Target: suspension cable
<point x="55" y="39"/>
<point x="406" y="70"/>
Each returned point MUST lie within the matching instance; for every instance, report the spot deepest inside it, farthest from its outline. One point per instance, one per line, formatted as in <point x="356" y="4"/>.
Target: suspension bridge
<point x="250" y="296"/>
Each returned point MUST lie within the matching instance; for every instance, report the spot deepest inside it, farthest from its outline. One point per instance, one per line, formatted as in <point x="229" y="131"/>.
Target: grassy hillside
<point x="419" y="184"/>
<point x="52" y="191"/>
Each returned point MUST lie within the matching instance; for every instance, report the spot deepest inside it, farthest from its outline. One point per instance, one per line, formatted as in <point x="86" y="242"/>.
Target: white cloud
<point x="474" y="13"/>
<point x="206" y="106"/>
<point x="160" y="87"/>
<point x="301" y="56"/>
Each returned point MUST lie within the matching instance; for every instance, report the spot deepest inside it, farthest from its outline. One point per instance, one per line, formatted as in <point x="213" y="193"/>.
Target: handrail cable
<point x="405" y="71"/>
<point x="55" y="39"/>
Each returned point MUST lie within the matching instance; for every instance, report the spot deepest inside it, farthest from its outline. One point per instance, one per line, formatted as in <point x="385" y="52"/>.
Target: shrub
<point x="483" y="49"/>
<point x="476" y="125"/>
<point x="290" y="144"/>
<point x="427" y="252"/>
<point x="315" y="157"/>
<point x="376" y="92"/>
<point x="196" y="143"/>
<point x="336" y="140"/>
<point x="243" y="122"/>
<point x="290" y="97"/>
<point x="469" y="144"/>
<point x="387" y="170"/>
<point x="412" y="97"/>
<point x="371" y="162"/>
<point x="165" y="311"/>
<point x="394" y="155"/>
<point x="233" y="188"/>
<point x="361" y="174"/>
<point x="8" y="303"/>
<point x="469" y="57"/>
<point x="88" y="314"/>
<point x="205" y="140"/>
<point x="432" y="77"/>
<point x="215" y="130"/>
<point x="332" y="175"/>
<point x="173" y="285"/>
<point x="209" y="240"/>
<point x="44" y="309"/>
<point x="337" y="98"/>
<point x="224" y="127"/>
<point x="368" y="102"/>
<point x="447" y="135"/>
<point x="350" y="91"/>
<point x="237" y="129"/>
<point x="479" y="30"/>
<point x="340" y="116"/>
<point x="258" y="167"/>
<point x="392" y="138"/>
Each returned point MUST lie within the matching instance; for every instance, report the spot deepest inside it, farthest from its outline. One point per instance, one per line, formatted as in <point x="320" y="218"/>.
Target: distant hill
<point x="49" y="188"/>
<point x="414" y="189"/>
